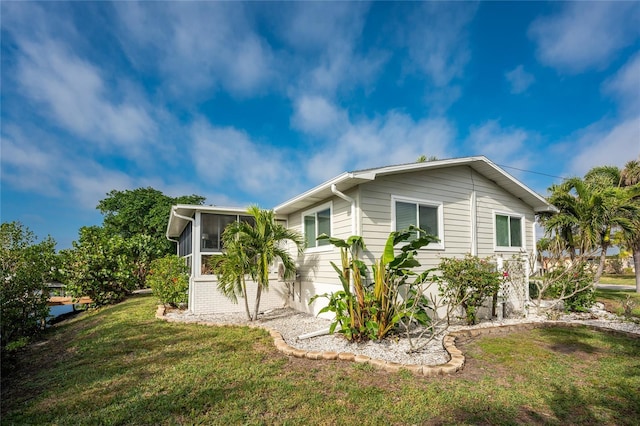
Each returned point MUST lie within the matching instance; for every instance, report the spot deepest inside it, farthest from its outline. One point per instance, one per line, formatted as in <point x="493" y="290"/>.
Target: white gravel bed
<point x="292" y="324"/>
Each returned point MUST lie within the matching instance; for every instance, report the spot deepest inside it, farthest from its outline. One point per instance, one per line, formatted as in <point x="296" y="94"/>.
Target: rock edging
<point x="455" y="363"/>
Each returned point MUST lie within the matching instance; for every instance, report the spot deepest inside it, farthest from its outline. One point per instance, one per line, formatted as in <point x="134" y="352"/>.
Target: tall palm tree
<point x="630" y="183"/>
<point x="589" y="209"/>
<point x="259" y="245"/>
<point x="232" y="268"/>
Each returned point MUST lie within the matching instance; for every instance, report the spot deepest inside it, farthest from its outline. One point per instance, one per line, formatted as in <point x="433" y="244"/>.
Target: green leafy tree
<point x="169" y="280"/>
<point x="100" y="266"/>
<point x="27" y="265"/>
<point x="261" y="243"/>
<point x="142" y="211"/>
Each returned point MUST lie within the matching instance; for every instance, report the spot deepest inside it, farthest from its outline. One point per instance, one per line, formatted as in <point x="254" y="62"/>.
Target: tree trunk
<point x="246" y="299"/>
<point x="258" y="294"/>
<point x="603" y="259"/>
<point x="636" y="265"/>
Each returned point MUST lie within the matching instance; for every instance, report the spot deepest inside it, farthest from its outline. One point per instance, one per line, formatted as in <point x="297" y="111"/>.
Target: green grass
<point x="121" y="366"/>
<point x="618" y="279"/>
<point x="613" y="300"/>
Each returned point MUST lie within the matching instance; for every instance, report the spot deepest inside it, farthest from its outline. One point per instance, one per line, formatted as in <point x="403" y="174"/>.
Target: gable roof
<point x="480" y="164"/>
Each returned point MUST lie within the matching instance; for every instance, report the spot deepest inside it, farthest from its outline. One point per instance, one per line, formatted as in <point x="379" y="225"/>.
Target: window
<point x="185" y="249"/>
<point x="426" y="215"/>
<point x="314" y="223"/>
<point x="508" y="230"/>
<point x="212" y="226"/>
<point x="184" y="242"/>
<point x="211" y="229"/>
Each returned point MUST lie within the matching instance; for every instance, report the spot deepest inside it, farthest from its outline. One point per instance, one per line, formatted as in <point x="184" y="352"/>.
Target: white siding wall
<point x="208" y="300"/>
<point x="451" y="187"/>
<point x="315" y="273"/>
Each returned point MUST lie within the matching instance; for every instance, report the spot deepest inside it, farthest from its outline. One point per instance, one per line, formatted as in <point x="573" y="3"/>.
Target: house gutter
<point x="348" y="199"/>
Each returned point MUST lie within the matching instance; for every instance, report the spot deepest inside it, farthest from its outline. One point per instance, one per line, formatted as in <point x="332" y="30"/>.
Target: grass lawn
<point x="613" y="300"/>
<point x="618" y="279"/>
<point x="119" y="365"/>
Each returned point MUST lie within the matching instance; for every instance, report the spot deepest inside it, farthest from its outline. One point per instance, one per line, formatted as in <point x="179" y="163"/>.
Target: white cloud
<point x="197" y="46"/>
<point x="391" y="139"/>
<point x="36" y="162"/>
<point x="507" y="146"/>
<point x="605" y="143"/>
<point x="585" y="34"/>
<point x="225" y="155"/>
<point x="27" y="166"/>
<point x="519" y="80"/>
<point x="437" y="39"/>
<point x="317" y="116"/>
<point x="73" y="93"/>
<point x="625" y="85"/>
<point x="324" y="47"/>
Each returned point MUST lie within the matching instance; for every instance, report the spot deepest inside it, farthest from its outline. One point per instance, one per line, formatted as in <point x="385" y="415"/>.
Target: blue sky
<point x="257" y="102"/>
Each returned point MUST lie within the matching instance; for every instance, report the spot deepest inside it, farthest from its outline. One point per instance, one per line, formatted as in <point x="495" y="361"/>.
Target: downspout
<point x="474" y="223"/>
<point x="193" y="255"/>
<point x="348" y="199"/>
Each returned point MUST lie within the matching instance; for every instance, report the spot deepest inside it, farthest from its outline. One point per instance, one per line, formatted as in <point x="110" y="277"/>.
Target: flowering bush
<point x="169" y="280"/>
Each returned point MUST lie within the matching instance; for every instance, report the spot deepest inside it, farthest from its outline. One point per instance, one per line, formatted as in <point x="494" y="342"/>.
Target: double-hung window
<point x="314" y="223"/>
<point x="509" y="233"/>
<point x="426" y="215"/>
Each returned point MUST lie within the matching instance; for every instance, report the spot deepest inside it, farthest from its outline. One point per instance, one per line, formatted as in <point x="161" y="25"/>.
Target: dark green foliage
<point x="169" y="280"/>
<point x="100" y="266"/>
<point x="365" y="312"/>
<point x="142" y="211"/>
<point x="27" y="265"/>
<point x="469" y="282"/>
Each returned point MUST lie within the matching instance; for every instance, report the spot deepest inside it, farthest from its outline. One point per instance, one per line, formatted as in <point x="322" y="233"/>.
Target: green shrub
<point x="26" y="266"/>
<point x="469" y="282"/>
<point x="169" y="280"/>
<point x="99" y="266"/>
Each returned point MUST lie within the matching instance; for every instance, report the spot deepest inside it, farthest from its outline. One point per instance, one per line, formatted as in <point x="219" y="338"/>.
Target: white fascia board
<point x="545" y="206"/>
<point x="177" y="224"/>
<point x="321" y="192"/>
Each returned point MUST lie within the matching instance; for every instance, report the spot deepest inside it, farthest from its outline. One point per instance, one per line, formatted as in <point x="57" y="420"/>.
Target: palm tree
<point x="232" y="268"/>
<point x="254" y="248"/>
<point x="589" y="210"/>
<point x="630" y="183"/>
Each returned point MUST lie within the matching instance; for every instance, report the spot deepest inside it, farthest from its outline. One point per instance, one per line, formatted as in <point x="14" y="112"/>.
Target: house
<point x="471" y="204"/>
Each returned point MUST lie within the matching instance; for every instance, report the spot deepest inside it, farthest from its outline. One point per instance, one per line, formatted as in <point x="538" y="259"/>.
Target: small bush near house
<point x="169" y="280"/>
<point x="469" y="282"/>
<point x="575" y="288"/>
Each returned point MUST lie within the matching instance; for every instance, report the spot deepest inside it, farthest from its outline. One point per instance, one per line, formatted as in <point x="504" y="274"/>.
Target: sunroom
<point x="197" y="231"/>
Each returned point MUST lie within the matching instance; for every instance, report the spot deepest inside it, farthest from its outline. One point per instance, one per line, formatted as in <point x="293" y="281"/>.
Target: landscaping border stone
<point x="455" y="363"/>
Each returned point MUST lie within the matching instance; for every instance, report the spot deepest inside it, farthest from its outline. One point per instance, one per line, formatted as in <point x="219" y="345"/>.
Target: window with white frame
<point x="314" y="223"/>
<point x="508" y="230"/>
<point x="426" y="215"/>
